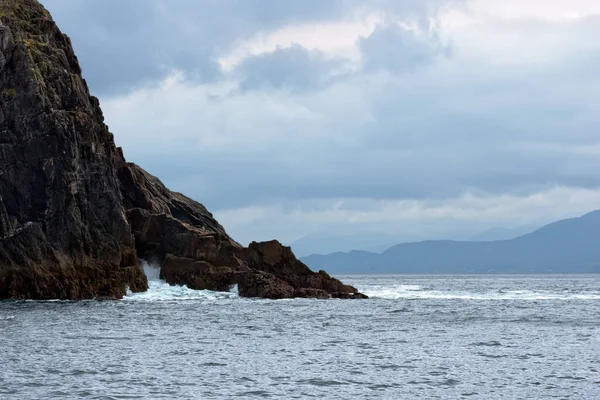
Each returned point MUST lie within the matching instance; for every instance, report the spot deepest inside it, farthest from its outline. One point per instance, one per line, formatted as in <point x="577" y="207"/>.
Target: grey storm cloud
<point x="126" y="44"/>
<point x="399" y="50"/>
<point x="293" y="68"/>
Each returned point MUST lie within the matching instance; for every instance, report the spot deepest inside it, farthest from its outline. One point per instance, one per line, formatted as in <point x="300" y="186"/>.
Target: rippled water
<point x="430" y="337"/>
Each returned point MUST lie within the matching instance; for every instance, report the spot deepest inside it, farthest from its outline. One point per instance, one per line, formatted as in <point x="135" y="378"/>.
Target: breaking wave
<point x="159" y="290"/>
<point x="394" y="292"/>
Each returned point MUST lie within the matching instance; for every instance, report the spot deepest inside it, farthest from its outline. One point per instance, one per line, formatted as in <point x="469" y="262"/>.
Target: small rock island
<point x="76" y="219"/>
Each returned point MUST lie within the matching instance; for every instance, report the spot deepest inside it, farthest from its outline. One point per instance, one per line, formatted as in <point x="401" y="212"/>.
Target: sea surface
<point x="418" y="337"/>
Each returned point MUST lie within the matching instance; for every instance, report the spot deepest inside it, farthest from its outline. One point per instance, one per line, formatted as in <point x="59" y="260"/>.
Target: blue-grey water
<point x="429" y="337"/>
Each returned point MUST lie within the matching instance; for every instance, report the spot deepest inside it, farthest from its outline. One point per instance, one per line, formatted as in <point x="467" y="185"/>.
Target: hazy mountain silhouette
<point x="325" y="243"/>
<point x="567" y="246"/>
<point x="499" y="233"/>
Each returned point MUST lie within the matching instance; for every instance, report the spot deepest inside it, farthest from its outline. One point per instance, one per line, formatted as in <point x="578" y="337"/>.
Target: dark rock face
<point x="194" y="249"/>
<point x="63" y="230"/>
<point x="75" y="217"/>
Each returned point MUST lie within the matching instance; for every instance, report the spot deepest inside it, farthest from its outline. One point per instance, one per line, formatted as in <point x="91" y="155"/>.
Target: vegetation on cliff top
<point x="29" y="15"/>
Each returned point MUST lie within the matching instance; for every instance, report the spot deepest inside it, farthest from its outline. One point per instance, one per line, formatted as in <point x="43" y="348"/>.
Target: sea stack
<point x="76" y="218"/>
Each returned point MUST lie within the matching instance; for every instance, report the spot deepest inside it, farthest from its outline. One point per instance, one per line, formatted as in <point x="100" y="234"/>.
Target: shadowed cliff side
<point x="75" y="217"/>
<point x="180" y="234"/>
<point x="63" y="231"/>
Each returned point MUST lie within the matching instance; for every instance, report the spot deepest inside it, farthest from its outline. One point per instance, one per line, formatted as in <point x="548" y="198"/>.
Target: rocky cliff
<point x="63" y="230"/>
<point x="75" y="217"/>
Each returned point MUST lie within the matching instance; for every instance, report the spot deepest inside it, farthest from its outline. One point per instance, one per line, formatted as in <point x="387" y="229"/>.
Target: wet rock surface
<point x="76" y="218"/>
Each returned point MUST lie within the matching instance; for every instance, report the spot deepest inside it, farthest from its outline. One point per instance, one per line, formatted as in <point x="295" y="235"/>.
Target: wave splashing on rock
<point x="159" y="290"/>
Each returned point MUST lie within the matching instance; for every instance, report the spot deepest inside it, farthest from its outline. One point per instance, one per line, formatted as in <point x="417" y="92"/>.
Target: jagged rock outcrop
<point x="194" y="250"/>
<point x="75" y="217"/>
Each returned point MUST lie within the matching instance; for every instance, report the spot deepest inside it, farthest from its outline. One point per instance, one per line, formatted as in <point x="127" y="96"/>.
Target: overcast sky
<point x="415" y="119"/>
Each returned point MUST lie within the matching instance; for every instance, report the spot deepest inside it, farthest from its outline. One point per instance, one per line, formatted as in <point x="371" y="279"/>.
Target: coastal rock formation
<point x="193" y="249"/>
<point x="76" y="218"/>
<point x="63" y="230"/>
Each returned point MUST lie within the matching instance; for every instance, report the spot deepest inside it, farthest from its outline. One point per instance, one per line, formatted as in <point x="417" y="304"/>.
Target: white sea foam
<point x="159" y="290"/>
<point x="415" y="292"/>
<point x="234" y="289"/>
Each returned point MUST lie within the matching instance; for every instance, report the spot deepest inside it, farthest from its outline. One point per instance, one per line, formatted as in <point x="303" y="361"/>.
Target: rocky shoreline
<point x="76" y="218"/>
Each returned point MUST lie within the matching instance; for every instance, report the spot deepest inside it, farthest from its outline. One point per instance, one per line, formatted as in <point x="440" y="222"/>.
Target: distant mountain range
<point x="567" y="246"/>
<point x="502" y="234"/>
<point x="324" y="243"/>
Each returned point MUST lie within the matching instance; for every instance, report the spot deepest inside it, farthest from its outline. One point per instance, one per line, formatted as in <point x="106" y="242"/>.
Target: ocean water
<point x="428" y="337"/>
